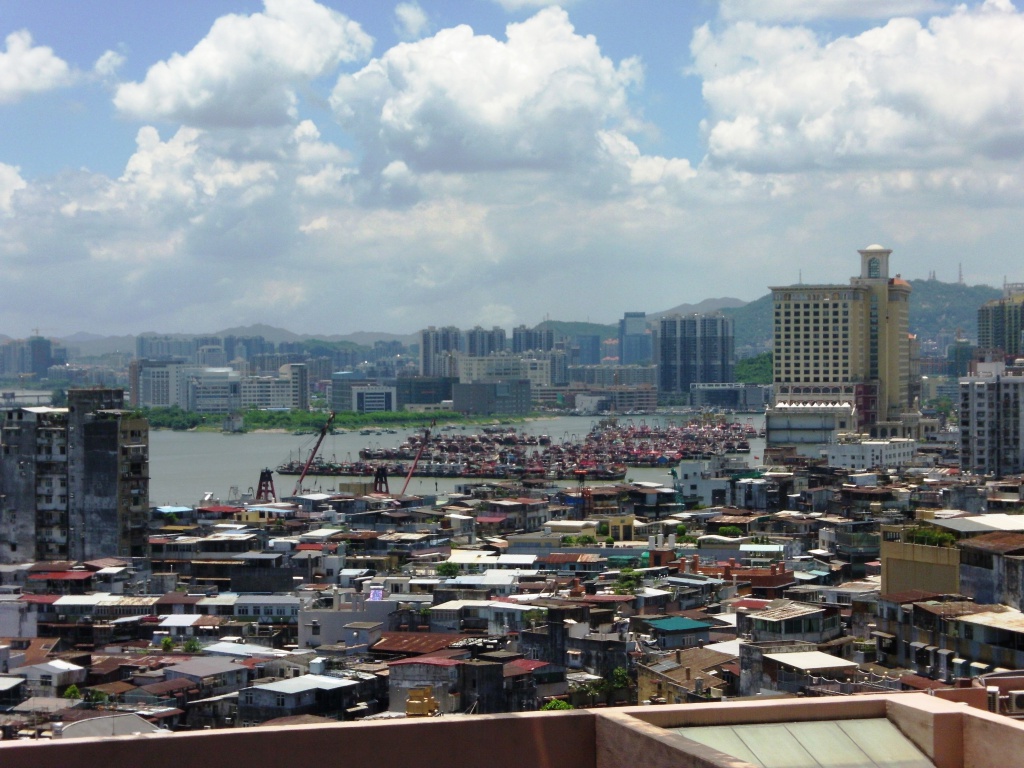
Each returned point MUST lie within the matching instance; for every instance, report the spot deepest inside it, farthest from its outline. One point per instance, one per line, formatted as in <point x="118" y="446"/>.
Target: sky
<point x="185" y="166"/>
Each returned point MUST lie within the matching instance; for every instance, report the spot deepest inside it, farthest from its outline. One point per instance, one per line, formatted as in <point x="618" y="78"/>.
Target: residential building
<point x="438" y="347"/>
<point x="694" y="349"/>
<point x="504" y="367"/>
<point x="992" y="420"/>
<point x="481" y="342"/>
<point x="848" y="344"/>
<point x="1001" y="322"/>
<point x="532" y="339"/>
<point x="74" y="481"/>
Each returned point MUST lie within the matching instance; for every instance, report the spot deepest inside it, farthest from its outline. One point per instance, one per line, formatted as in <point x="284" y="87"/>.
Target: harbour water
<point x="184" y="466"/>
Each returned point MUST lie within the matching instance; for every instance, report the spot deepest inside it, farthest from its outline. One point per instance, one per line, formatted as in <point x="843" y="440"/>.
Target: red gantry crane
<point x="312" y="454"/>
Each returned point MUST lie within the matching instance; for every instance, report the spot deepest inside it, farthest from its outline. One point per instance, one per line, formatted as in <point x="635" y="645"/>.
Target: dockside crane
<point x="419" y="453"/>
<point x="312" y="454"/>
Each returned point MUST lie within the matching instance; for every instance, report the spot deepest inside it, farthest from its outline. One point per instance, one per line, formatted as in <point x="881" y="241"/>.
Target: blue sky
<point x="341" y="166"/>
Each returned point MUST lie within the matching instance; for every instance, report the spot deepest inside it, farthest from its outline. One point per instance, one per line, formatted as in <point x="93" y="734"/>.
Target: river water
<point x="184" y="466"/>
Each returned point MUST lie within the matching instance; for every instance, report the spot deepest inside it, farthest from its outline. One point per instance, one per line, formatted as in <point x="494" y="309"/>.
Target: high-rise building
<point x="532" y="339"/>
<point x="590" y="349"/>
<point x="636" y="345"/>
<point x="848" y="344"/>
<point x="991" y="424"/>
<point x="1001" y="322"/>
<point x="481" y="342"/>
<point x="694" y="349"/>
<point x="438" y="346"/>
<point x="74" y="481"/>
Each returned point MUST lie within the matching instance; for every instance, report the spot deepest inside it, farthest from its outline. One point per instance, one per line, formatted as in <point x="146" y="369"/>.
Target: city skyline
<point x="354" y="165"/>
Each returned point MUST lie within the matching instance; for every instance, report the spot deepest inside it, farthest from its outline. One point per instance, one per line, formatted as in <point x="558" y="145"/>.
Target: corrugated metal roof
<point x="867" y="743"/>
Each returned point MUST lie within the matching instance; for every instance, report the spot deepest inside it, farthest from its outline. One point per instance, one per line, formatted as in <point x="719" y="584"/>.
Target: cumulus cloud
<point x="461" y="102"/>
<point x="107" y="64"/>
<point x="10" y="182"/>
<point x="807" y="10"/>
<point x="26" y="68"/>
<point x="246" y="70"/>
<point x="903" y="94"/>
<point x="411" y="21"/>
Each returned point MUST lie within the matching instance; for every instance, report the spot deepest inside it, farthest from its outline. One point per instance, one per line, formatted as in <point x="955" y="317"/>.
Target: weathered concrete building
<point x="74" y="481"/>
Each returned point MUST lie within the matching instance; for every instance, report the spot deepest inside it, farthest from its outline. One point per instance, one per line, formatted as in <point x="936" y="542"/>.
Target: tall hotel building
<point x="849" y="346"/>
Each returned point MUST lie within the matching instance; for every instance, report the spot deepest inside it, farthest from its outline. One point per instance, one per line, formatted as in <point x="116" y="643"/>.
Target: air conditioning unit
<point x="1015" y="702"/>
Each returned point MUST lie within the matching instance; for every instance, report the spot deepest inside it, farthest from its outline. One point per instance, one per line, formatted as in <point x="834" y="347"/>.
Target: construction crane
<point x="312" y="454"/>
<point x="423" y="444"/>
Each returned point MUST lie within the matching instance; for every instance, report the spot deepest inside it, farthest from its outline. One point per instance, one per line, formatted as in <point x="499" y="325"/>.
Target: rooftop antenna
<point x="800" y="279"/>
<point x="960" y="278"/>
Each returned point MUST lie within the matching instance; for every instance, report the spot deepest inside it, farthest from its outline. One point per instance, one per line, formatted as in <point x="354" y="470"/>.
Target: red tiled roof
<point x="434" y="661"/>
<point x="489" y="519"/>
<point x="40" y="599"/>
<point x="220" y="509"/>
<point x="414" y="642"/>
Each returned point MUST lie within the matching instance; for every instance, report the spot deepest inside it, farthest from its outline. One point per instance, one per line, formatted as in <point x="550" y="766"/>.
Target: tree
<point x="681" y="529"/>
<point x="556" y="704"/>
<point x="167" y="644"/>
<point x="72" y="692"/>
<point x="609" y="542"/>
<point x="602" y="529"/>
<point x="447" y="569"/>
<point x="628" y="583"/>
<point x="730" y="530"/>
<point x="192" y="646"/>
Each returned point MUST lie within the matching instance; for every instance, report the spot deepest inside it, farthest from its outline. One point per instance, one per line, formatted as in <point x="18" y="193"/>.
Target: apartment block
<point x="74" y="481"/>
<point x="991" y="425"/>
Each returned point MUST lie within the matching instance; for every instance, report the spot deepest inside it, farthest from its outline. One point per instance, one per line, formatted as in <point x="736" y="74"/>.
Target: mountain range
<point x="936" y="309"/>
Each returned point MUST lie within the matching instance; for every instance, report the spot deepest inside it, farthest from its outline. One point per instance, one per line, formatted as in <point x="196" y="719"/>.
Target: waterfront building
<point x="423" y="390"/>
<point x="1001" y="322"/>
<point x="849" y="344"/>
<point x="370" y="398"/>
<point x="737" y="397"/>
<point x="500" y="398"/>
<point x="991" y="424"/>
<point x="695" y="349"/>
<point x="213" y="390"/>
<point x="614" y="375"/>
<point x="74" y="481"/>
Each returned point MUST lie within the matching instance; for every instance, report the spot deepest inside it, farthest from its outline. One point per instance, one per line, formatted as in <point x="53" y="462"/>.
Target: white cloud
<point x="26" y="68"/>
<point x="108" y="64"/>
<point x="807" y="10"/>
<point x="245" y="71"/>
<point x="411" y="21"/>
<point x="10" y="182"/>
<point x="521" y="5"/>
<point x="461" y="102"/>
<point x="899" y="95"/>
